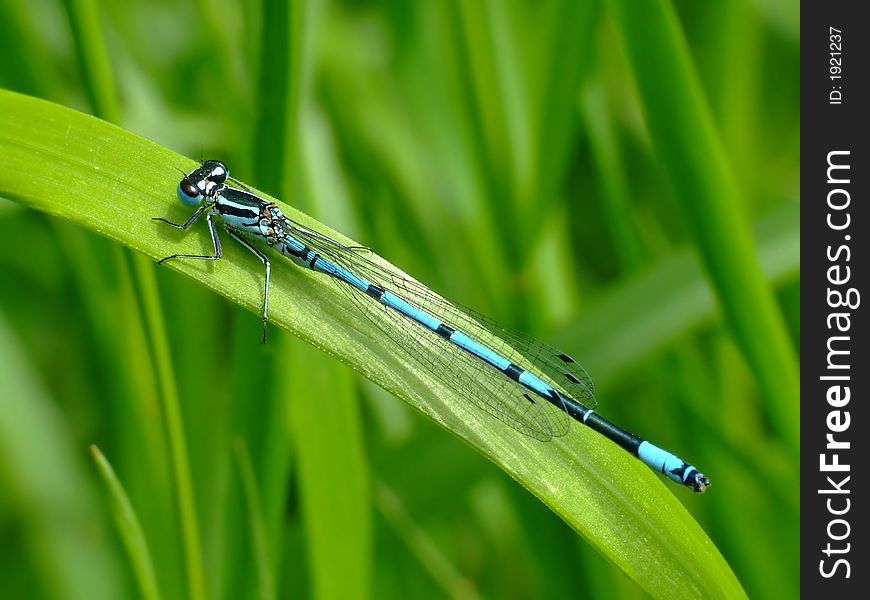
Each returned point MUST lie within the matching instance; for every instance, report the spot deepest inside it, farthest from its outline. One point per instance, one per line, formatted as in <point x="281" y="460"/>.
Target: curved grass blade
<point x="106" y="179"/>
<point x="129" y="528"/>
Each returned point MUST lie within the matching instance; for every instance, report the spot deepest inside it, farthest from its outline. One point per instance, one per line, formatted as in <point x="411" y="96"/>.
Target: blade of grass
<point x="99" y="83"/>
<point x="256" y="525"/>
<point x="104" y="178"/>
<point x="140" y="450"/>
<point x="483" y="85"/>
<point x="129" y="528"/>
<point x="568" y="39"/>
<point x="274" y="108"/>
<point x="683" y="133"/>
<point x="615" y="193"/>
<point x="171" y="407"/>
<point x="328" y="436"/>
<point x="333" y="478"/>
<point x="93" y="58"/>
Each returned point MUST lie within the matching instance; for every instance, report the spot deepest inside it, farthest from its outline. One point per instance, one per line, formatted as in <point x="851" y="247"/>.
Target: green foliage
<point x="602" y="176"/>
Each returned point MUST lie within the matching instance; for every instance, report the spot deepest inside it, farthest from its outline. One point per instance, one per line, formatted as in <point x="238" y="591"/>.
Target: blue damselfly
<point x="500" y="371"/>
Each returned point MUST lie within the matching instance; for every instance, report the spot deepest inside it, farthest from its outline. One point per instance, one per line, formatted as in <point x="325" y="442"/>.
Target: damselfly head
<point x="203" y="182"/>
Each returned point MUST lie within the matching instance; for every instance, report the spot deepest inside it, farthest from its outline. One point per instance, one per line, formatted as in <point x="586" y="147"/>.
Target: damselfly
<point x="502" y="372"/>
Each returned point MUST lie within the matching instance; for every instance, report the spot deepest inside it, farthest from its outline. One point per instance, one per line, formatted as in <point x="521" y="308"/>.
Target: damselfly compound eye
<point x="188" y="189"/>
<point x="188" y="192"/>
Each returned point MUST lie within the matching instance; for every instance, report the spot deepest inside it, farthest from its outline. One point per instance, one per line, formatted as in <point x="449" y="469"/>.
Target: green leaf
<point x="256" y="524"/>
<point x="128" y="526"/>
<point x="327" y="436"/>
<point x="106" y="179"/>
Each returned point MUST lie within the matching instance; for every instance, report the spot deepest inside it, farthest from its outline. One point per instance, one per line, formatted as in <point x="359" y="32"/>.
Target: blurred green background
<point x="618" y="178"/>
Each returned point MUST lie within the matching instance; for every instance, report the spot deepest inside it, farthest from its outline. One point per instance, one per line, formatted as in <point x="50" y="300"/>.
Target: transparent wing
<point x="562" y="370"/>
<point x="472" y="378"/>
